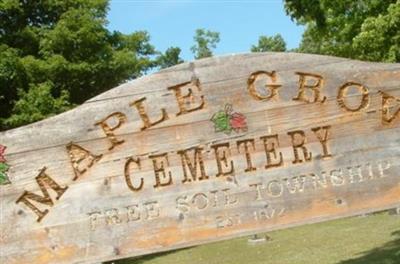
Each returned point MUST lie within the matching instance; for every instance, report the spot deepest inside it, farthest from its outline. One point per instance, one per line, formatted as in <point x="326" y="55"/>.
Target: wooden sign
<point x="200" y="152"/>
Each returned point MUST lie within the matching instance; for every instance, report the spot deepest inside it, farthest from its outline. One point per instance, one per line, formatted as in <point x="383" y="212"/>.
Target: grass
<point x="373" y="239"/>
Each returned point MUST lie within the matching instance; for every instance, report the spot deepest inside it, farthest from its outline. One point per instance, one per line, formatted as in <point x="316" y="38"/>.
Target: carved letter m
<point x="42" y="180"/>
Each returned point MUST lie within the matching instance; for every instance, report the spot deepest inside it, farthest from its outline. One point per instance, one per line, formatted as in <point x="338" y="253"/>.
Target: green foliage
<point x="306" y="10"/>
<point x="3" y="173"/>
<point x="37" y="103"/>
<point x="12" y="75"/>
<point x="363" y="29"/>
<point x="169" y="58"/>
<point x="379" y="39"/>
<point x="62" y="50"/>
<point x="205" y="41"/>
<point x="274" y="43"/>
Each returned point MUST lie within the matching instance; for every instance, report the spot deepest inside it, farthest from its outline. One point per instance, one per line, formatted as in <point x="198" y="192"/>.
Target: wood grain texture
<point x="116" y="185"/>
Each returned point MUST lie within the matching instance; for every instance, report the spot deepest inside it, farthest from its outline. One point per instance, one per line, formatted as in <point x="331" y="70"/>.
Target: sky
<point x="174" y="22"/>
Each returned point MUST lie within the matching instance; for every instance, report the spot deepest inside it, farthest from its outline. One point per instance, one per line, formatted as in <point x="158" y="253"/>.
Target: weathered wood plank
<point x="107" y="181"/>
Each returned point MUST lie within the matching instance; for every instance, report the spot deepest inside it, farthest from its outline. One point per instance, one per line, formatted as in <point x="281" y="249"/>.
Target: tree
<point x="169" y="58"/>
<point x="363" y="29"/>
<point x="379" y="39"/>
<point x="205" y="41"/>
<point x="37" y="103"/>
<point x="56" y="54"/>
<point x="265" y="43"/>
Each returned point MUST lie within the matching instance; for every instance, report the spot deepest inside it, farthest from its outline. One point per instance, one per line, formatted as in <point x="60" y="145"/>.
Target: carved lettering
<point x="295" y="184"/>
<point x="270" y="144"/>
<point x="93" y="220"/>
<point x="274" y="188"/>
<point x="228" y="220"/>
<point x="152" y="209"/>
<point x="305" y="182"/>
<point x="229" y="198"/>
<point x="214" y="199"/>
<point x="246" y="143"/>
<point x="257" y="187"/>
<point x="133" y="212"/>
<point x="272" y="87"/>
<point x="189" y="98"/>
<point x="200" y="200"/>
<point x="112" y="216"/>
<point x="42" y="180"/>
<point x="221" y="151"/>
<point x="388" y="102"/>
<point x="342" y="92"/>
<point x="298" y="142"/>
<point x="182" y="204"/>
<point x="81" y="159"/>
<point x="337" y="178"/>
<point x="268" y="213"/>
<point x="159" y="163"/>
<point x="370" y="171"/>
<point x="355" y="173"/>
<point x="319" y="180"/>
<point x="195" y="165"/>
<point x="127" y="174"/>
<point x="323" y="139"/>
<point x="108" y="129"/>
<point x="144" y="116"/>
<point x="315" y="88"/>
<point x="382" y="167"/>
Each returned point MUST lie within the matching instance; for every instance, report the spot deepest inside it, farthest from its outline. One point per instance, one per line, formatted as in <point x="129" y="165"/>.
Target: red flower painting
<point x="238" y="122"/>
<point x="227" y="120"/>
<point x="2" y="151"/>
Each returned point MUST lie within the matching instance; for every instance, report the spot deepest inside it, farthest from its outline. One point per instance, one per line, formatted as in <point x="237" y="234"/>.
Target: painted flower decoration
<point x="227" y="120"/>
<point x="3" y="166"/>
<point x="2" y="151"/>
